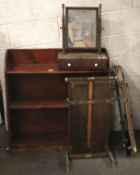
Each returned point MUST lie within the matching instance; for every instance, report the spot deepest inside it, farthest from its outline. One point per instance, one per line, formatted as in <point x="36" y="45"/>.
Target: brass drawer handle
<point x="69" y="64"/>
<point x="96" y="65"/>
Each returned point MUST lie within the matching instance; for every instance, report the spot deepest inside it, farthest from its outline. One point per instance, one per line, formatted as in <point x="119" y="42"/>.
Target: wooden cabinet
<point x="89" y="116"/>
<point x="36" y="99"/>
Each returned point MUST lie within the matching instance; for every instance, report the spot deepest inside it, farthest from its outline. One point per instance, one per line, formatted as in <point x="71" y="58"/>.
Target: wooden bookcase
<point x="36" y="99"/>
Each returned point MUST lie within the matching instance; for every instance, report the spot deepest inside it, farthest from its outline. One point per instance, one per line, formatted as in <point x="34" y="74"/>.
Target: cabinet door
<point x="89" y="115"/>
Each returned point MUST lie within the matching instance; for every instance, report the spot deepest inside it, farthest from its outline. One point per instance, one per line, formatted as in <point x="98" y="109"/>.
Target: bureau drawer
<point x="77" y="64"/>
<point x="94" y="61"/>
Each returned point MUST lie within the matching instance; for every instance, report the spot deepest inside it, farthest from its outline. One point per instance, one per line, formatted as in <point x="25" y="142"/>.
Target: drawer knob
<point x="96" y="65"/>
<point x="69" y="64"/>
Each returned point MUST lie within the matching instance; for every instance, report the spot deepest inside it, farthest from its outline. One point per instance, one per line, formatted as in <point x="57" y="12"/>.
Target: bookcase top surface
<point x="36" y="61"/>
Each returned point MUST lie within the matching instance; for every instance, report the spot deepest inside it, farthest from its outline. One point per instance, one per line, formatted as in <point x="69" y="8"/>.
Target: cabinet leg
<point x="67" y="162"/>
<point x="112" y="158"/>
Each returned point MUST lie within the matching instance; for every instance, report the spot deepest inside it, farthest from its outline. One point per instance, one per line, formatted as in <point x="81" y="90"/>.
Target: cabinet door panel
<point x="79" y="120"/>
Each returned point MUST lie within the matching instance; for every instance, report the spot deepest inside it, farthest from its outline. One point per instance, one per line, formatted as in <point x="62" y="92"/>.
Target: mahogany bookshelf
<point x="36" y="99"/>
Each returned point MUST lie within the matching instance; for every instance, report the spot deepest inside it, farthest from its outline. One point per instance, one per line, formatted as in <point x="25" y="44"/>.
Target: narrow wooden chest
<point x="89" y="115"/>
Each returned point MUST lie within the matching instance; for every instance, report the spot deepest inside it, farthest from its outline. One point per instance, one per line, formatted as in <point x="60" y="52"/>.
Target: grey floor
<point x="54" y="164"/>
